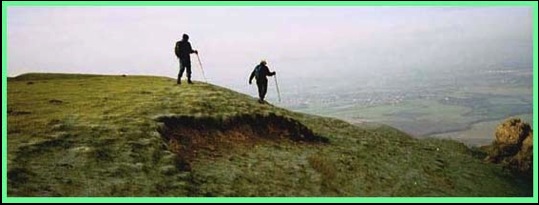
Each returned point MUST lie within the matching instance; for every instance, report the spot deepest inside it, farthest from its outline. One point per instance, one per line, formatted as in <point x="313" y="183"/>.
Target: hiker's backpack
<point x="177" y="49"/>
<point x="258" y="72"/>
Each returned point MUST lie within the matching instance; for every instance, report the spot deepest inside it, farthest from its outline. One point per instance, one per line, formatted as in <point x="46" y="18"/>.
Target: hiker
<point x="183" y="49"/>
<point x="260" y="72"/>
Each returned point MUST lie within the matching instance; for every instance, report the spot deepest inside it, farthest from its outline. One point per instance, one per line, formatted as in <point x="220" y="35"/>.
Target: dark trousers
<point x="185" y="63"/>
<point x="262" y="88"/>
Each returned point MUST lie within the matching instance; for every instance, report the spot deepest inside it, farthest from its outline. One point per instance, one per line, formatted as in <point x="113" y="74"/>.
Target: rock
<point x="512" y="132"/>
<point x="513" y="147"/>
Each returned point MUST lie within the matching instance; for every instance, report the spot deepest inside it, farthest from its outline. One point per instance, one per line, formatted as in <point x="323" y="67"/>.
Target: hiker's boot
<point x="189" y="81"/>
<point x="179" y="82"/>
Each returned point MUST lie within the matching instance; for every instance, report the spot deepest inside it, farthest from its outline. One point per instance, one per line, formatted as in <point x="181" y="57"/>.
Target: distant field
<point x="439" y="106"/>
<point x="417" y="117"/>
<point x="481" y="133"/>
<point x="427" y="117"/>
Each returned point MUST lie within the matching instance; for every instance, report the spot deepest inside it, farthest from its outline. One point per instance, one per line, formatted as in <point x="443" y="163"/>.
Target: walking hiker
<point x="260" y="72"/>
<point x="183" y="49"/>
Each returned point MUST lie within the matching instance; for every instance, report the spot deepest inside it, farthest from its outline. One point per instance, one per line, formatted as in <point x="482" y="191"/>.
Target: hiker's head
<point x="263" y="62"/>
<point x="185" y="37"/>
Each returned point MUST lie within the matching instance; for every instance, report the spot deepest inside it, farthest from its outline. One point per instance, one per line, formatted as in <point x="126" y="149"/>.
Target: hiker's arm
<point x="191" y="50"/>
<point x="251" y="77"/>
<point x="269" y="73"/>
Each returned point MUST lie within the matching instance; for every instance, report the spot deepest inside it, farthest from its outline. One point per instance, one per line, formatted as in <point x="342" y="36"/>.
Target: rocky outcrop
<point x="513" y="147"/>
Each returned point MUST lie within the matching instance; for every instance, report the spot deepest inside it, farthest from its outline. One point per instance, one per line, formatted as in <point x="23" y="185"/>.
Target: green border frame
<point x="5" y="198"/>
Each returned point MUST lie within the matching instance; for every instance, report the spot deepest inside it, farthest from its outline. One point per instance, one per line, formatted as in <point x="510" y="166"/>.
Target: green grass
<point x="81" y="135"/>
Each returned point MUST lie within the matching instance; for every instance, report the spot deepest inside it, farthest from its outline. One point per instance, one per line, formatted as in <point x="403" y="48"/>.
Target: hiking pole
<point x="200" y="63"/>
<point x="277" y="86"/>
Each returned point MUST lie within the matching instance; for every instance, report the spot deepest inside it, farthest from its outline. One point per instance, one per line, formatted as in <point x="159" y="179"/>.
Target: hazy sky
<point x="298" y="42"/>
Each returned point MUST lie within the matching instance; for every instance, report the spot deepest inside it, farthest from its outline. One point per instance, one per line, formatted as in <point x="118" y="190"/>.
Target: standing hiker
<point x="183" y="49"/>
<point x="260" y="72"/>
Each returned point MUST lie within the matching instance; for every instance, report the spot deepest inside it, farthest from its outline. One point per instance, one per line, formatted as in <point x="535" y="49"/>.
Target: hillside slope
<point x="91" y="135"/>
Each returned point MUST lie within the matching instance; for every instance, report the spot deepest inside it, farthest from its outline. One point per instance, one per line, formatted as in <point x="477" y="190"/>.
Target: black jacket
<point x="263" y="71"/>
<point x="183" y="49"/>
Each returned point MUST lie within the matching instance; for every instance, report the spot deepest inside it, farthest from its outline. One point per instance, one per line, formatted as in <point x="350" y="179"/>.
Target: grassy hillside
<point x="91" y="135"/>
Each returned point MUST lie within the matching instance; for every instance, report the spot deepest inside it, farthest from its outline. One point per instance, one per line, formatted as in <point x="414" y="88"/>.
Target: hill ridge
<point x="71" y="135"/>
